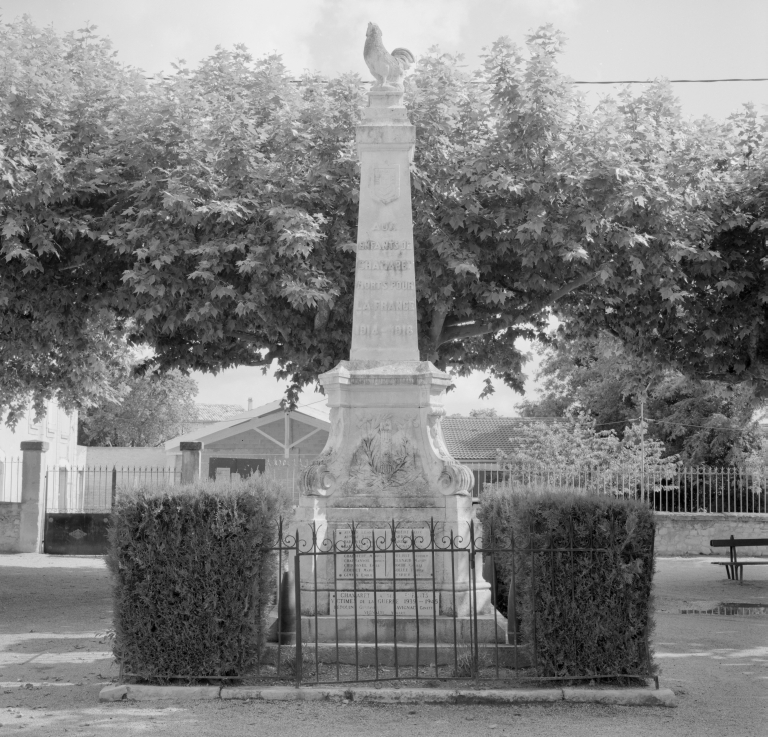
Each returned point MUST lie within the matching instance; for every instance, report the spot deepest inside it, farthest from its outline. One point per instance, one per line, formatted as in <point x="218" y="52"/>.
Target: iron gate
<point x="363" y="626"/>
<point x="79" y="501"/>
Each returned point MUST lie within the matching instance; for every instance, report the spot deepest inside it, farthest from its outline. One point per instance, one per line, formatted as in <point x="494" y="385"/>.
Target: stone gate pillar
<point x="32" y="496"/>
<point x="191" y="461"/>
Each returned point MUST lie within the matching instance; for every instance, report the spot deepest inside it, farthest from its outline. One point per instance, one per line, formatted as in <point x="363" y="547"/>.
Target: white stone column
<point x="386" y="460"/>
<point x="32" y="496"/>
<point x="384" y="324"/>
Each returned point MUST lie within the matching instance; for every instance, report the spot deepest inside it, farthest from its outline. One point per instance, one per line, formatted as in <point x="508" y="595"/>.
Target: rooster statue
<point x="388" y="69"/>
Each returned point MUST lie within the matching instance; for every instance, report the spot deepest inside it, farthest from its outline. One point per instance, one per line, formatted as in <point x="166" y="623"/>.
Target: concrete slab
<point x="130" y="692"/>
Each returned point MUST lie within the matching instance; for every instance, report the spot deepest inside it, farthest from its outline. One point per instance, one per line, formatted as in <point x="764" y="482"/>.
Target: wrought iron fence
<point x="665" y="488"/>
<point x="92" y="489"/>
<point x="10" y="480"/>
<point x="357" y="605"/>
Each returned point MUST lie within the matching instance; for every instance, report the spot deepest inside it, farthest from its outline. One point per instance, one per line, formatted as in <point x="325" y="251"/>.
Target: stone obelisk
<point x="386" y="458"/>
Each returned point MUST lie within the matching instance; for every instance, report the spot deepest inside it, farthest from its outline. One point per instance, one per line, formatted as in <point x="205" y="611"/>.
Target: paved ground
<point x="54" y="660"/>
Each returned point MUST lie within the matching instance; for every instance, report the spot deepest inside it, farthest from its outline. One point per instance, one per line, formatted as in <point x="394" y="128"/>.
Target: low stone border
<point x="623" y="696"/>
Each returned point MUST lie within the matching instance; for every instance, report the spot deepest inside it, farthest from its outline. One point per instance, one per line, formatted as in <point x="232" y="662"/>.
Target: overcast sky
<point x="607" y="40"/>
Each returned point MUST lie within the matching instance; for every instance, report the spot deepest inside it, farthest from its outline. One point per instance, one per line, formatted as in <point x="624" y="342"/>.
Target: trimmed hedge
<point x="588" y="613"/>
<point x="193" y="577"/>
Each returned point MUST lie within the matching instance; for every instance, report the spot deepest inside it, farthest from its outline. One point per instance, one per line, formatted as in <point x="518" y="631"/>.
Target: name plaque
<point x="360" y="564"/>
<point x="343" y="603"/>
<point x="389" y="563"/>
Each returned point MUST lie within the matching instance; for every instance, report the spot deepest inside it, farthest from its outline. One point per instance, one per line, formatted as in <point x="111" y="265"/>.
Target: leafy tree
<point x="209" y="216"/>
<point x="148" y="411"/>
<point x="483" y="412"/>
<point x="570" y="449"/>
<point x="702" y="422"/>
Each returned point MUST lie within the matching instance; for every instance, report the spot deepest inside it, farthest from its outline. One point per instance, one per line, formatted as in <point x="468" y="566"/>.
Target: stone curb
<point x="130" y="692"/>
<point x="623" y="697"/>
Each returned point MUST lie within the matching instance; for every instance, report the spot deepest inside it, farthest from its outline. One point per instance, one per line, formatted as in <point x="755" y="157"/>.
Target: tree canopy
<point x="146" y="410"/>
<point x="210" y="215"/>
<point x="698" y="421"/>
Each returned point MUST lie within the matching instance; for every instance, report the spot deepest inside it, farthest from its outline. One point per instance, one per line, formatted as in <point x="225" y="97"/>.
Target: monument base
<point x="449" y="631"/>
<point x="368" y="655"/>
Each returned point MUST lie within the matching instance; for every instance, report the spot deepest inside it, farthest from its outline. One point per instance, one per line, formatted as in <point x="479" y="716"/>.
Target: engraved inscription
<point x="406" y="603"/>
<point x="396" y="330"/>
<point x="383" y="245"/>
<point x="360" y="565"/>
<point x="398" y="265"/>
<point x="393" y="305"/>
<point x="403" y="562"/>
<point x="387" y="227"/>
<point x="385" y="285"/>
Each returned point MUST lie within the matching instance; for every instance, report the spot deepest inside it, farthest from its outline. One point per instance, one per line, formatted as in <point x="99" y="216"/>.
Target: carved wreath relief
<point x="385" y="458"/>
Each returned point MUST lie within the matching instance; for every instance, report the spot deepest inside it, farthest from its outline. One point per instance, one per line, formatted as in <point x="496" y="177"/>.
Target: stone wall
<point x="10" y="526"/>
<point x="128" y="457"/>
<point x="689" y="534"/>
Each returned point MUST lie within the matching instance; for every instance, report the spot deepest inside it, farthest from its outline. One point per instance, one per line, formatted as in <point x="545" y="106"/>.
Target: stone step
<point x="367" y="654"/>
<point x="323" y="629"/>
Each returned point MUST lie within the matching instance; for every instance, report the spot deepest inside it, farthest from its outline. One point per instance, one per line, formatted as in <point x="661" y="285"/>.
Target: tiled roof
<point x="215" y="412"/>
<point x="478" y="438"/>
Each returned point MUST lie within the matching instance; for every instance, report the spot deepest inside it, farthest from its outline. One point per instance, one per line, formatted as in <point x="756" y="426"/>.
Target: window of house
<point x="34" y="425"/>
<point x="65" y="423"/>
<point x="222" y="468"/>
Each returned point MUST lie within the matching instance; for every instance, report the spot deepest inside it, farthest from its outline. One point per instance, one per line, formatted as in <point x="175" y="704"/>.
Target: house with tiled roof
<point x="478" y="442"/>
<point x="208" y="414"/>
<point x="258" y="439"/>
<point x="268" y="437"/>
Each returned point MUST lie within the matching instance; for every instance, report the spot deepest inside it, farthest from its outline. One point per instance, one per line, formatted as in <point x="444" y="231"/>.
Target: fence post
<point x="114" y="486"/>
<point x="191" y="460"/>
<point x="286" y="625"/>
<point x="32" y="497"/>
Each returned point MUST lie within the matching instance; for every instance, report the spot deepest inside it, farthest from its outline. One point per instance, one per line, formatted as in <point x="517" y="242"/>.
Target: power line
<point x="676" y="81"/>
<point x="682" y="424"/>
<point x="667" y="422"/>
<point x="583" y="81"/>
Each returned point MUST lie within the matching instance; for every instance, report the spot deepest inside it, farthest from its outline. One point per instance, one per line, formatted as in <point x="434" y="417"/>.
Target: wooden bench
<point x="734" y="568"/>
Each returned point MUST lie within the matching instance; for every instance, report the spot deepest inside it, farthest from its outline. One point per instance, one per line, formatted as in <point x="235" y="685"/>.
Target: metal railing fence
<point x="665" y="488"/>
<point x="356" y="625"/>
<point x="93" y="489"/>
<point x="701" y="489"/>
<point x="10" y="480"/>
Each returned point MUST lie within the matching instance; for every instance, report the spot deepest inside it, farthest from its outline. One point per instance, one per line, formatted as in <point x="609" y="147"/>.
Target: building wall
<point x="57" y="428"/>
<point x="679" y="533"/>
<point x="10" y="526"/>
<point x="119" y="457"/>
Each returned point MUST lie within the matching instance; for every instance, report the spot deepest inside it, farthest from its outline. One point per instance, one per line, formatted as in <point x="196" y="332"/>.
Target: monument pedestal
<point x="386" y="464"/>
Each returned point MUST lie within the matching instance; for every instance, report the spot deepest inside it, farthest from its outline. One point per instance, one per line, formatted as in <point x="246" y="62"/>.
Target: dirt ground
<point x="54" y="659"/>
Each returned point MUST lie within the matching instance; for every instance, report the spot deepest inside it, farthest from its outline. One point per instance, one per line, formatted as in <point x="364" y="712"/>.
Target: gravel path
<point x="54" y="660"/>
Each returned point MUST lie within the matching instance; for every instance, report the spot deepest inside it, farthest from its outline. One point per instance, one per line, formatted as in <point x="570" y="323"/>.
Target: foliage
<point x="574" y="442"/>
<point x="483" y="412"/>
<point x="209" y="216"/>
<point x="590" y="613"/>
<point x="193" y="577"/>
<point x="149" y="410"/>
<point x="62" y="100"/>
<point x="701" y="422"/>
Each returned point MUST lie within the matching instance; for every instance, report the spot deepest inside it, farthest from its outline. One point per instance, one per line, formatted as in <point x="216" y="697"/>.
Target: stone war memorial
<point x="385" y="470"/>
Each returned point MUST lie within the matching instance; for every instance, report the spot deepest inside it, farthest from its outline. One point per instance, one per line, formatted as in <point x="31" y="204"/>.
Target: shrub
<point x="588" y="613"/>
<point x="193" y="577"/>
